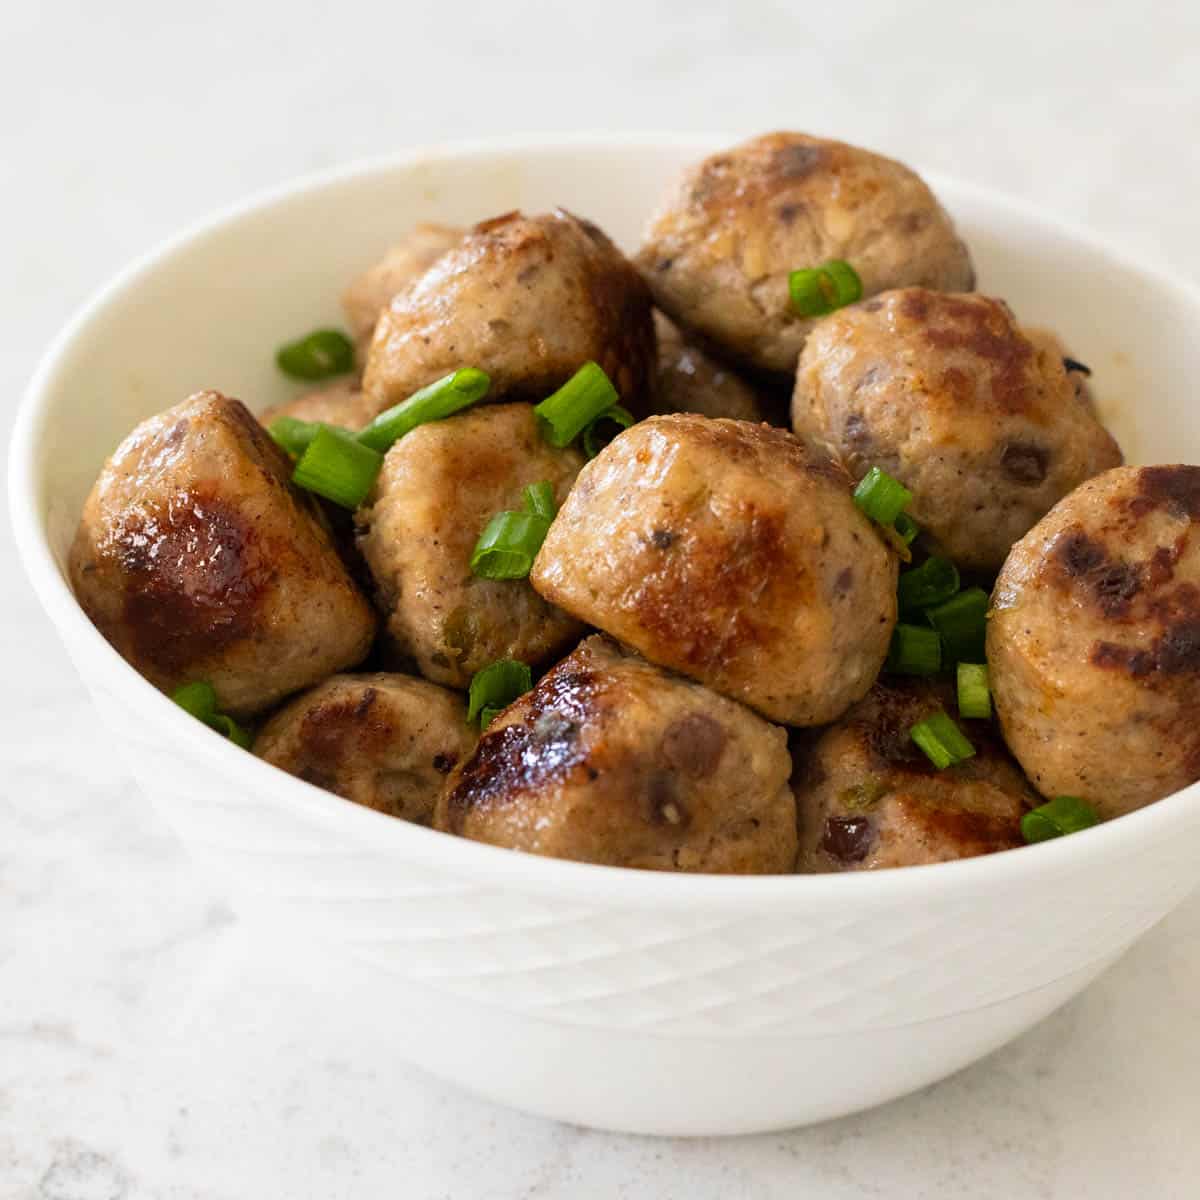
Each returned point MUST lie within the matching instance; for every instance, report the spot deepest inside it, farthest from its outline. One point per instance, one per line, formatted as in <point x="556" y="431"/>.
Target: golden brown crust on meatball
<point x="718" y="253"/>
<point x="529" y="300"/>
<point x="197" y="559"/>
<point x="381" y="740"/>
<point x="947" y="393"/>
<point x="1094" y="641"/>
<point x="341" y="403"/>
<point x="730" y="552"/>
<point x="611" y="760"/>
<point x="439" y="487"/>
<point x="867" y="797"/>
<point x="688" y="380"/>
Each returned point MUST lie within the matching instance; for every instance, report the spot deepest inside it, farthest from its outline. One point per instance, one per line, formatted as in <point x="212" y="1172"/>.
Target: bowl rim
<point x="617" y="886"/>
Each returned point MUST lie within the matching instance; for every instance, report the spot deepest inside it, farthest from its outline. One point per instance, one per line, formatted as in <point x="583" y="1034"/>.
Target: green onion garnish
<point x="564" y="415"/>
<point x="1063" y="814"/>
<point x="539" y="500"/>
<point x="488" y="714"/>
<point x="943" y="742"/>
<point x="962" y="622"/>
<point x="974" y="691"/>
<point x="320" y="355"/>
<point x="906" y="529"/>
<point x="915" y="650"/>
<point x="933" y="582"/>
<point x="338" y="466"/>
<point x="439" y="400"/>
<point x="604" y="428"/>
<point x="881" y="497"/>
<point x="199" y="699"/>
<point x="508" y="545"/>
<point x="496" y="686"/>
<point x="816" y="291"/>
<point x="293" y="436"/>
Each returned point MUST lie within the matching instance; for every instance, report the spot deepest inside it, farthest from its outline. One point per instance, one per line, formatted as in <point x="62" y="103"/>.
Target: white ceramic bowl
<point x="620" y="999"/>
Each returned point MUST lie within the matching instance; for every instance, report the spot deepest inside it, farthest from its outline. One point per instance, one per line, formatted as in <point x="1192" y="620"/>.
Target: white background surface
<point x="153" y="1045"/>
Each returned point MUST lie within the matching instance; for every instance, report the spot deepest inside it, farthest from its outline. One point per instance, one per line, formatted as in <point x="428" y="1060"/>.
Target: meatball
<point x="866" y="795"/>
<point x="527" y="299"/>
<point x="730" y="552"/>
<point x="948" y="394"/>
<point x="384" y="741"/>
<point x="718" y="253"/>
<point x="439" y="487"/>
<point x="1094" y="641"/>
<point x="341" y="403"/>
<point x="689" y="380"/>
<point x="369" y="294"/>
<point x="197" y="559"/>
<point x="611" y="760"/>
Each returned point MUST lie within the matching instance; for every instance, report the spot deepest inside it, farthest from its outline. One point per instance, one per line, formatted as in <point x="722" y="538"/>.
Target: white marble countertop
<point x="152" y="1044"/>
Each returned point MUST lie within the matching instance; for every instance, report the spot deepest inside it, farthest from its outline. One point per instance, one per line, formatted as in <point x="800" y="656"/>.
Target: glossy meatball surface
<point x="612" y="760"/>
<point x="732" y="553"/>
<point x="689" y="380"/>
<point x="1094" y="641"/>
<point x="529" y="300"/>
<point x="197" y="559"/>
<point x="439" y="487"/>
<point x="867" y="797"/>
<point x="947" y="393"/>
<point x="381" y="740"/>
<point x="718" y="253"/>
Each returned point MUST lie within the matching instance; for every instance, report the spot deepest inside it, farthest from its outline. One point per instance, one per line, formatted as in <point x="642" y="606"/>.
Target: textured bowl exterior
<point x="618" y="999"/>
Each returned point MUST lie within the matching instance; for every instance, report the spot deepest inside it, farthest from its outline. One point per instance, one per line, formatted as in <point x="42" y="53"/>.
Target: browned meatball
<point x="529" y="300"/>
<point x="383" y="741"/>
<point x="948" y="394"/>
<point x="867" y="797"/>
<point x="372" y="291"/>
<point x="718" y="253"/>
<point x="733" y="553"/>
<point x="341" y="403"/>
<point x="611" y="760"/>
<point x="197" y="559"/>
<point x="689" y="380"/>
<point x="1094" y="641"/>
<point x="439" y="487"/>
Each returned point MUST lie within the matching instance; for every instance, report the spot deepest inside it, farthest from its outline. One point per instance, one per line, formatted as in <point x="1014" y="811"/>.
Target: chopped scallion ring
<point x="605" y="428"/>
<point x="439" y="400"/>
<point x="508" y="545"/>
<point x="199" y="699"/>
<point x="318" y="355"/>
<point x="816" y="291"/>
<point x="943" y="742"/>
<point x="1062" y="815"/>
<point x="974" y="691"/>
<point x="915" y="650"/>
<point x="881" y="497"/>
<point x="487" y="715"/>
<point x="933" y="582"/>
<point x="293" y="436"/>
<point x="339" y="467"/>
<point x="906" y="529"/>
<point x="962" y="622"/>
<point x="539" y="500"/>
<point x="496" y="686"/>
<point x="565" y="414"/>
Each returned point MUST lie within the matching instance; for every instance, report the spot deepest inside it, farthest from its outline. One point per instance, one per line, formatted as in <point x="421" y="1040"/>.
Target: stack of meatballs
<point x="710" y="613"/>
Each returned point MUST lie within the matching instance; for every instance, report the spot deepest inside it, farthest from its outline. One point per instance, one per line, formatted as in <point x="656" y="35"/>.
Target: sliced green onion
<point x="906" y="528"/>
<point x="564" y="415"/>
<point x="232" y="730"/>
<point x="974" y="691"/>
<point x="604" y="428"/>
<point x="487" y="715"/>
<point x="539" y="500"/>
<point x="881" y="497"/>
<point x="294" y="436"/>
<point x="1063" y="814"/>
<point x="962" y="622"/>
<point x="816" y="291"/>
<point x="943" y="742"/>
<point x="496" y="686"/>
<point x="508" y="545"/>
<point x="933" y="582"/>
<point x="339" y="467"/>
<point x="319" y="355"/>
<point x="199" y="699"/>
<point x="448" y="395"/>
<point x="915" y="650"/>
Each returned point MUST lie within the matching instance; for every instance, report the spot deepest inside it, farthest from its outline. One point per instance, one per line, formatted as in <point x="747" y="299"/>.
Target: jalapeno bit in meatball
<point x="730" y="552"/>
<point x="947" y="393"/>
<point x="1094" y="641"/>
<point x="612" y="760"/>
<point x="384" y="741"/>
<point x="528" y="300"/>
<point x="718" y="253"/>
<point x="197" y="559"/>
<point x="866" y="795"/>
